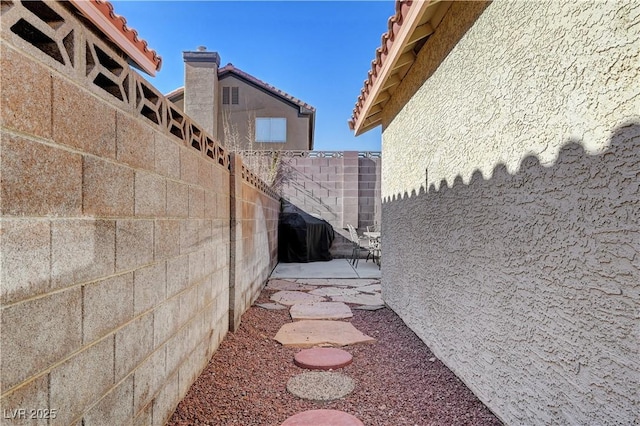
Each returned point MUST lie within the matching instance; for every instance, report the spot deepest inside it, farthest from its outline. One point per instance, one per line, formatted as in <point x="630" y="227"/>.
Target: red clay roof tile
<point x="118" y="24"/>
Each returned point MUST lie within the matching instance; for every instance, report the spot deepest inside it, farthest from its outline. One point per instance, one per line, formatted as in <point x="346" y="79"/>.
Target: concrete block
<point x="190" y="235"/>
<point x="188" y="304"/>
<point x="39" y="180"/>
<point x="196" y="202"/>
<point x="167" y="157"/>
<point x="33" y="339"/>
<point x="76" y="122"/>
<point x="145" y="416"/>
<point x="107" y="304"/>
<point x="206" y="173"/>
<point x="107" y="188"/>
<point x="150" y="285"/>
<point x="32" y="396"/>
<point x="81" y="381"/>
<point x="148" y="378"/>
<point x="24" y="258"/>
<point x="176" y="350"/>
<point x="133" y="344"/>
<point x="165" y="403"/>
<point x="82" y="250"/>
<point x="210" y="205"/>
<point x="116" y="408"/>
<point x="177" y="199"/>
<point x="135" y="142"/>
<point x="150" y="195"/>
<point x="166" y="319"/>
<point x="189" y="171"/>
<point x="196" y="266"/>
<point x="134" y="243"/>
<point x="25" y="94"/>
<point x="177" y="275"/>
<point x="166" y="239"/>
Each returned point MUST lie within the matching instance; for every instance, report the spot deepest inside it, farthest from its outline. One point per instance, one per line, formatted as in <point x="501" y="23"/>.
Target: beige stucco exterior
<point x="234" y="124"/>
<point x="511" y="206"/>
<point x="256" y="102"/>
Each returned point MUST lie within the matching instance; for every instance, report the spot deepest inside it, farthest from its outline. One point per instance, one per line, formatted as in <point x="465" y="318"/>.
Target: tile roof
<point x="408" y="29"/>
<point x="229" y="68"/>
<point x="114" y="26"/>
<point x="393" y="23"/>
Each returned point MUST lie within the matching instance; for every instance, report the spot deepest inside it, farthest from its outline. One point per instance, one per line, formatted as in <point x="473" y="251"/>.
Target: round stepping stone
<point x="322" y="418"/>
<point x="320" y="385"/>
<point x="322" y="358"/>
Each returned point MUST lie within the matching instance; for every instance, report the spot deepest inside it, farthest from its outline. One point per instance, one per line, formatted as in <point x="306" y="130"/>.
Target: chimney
<point x="201" y="88"/>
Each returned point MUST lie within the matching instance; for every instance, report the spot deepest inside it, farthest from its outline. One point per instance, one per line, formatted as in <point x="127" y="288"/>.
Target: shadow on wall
<point x="528" y="285"/>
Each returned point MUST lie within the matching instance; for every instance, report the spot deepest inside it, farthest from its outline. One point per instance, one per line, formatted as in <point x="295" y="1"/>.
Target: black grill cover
<point x="303" y="238"/>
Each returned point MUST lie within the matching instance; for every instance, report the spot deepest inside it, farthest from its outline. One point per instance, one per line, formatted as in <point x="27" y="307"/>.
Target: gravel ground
<point x="396" y="384"/>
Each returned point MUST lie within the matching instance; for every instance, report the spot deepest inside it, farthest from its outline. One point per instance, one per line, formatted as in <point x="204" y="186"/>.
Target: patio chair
<point x="358" y="247"/>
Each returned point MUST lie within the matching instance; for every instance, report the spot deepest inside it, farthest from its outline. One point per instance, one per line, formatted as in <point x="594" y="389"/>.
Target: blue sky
<point x="319" y="52"/>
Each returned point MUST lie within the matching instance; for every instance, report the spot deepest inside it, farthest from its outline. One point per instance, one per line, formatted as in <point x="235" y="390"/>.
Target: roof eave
<point x="136" y="50"/>
<point x="363" y="121"/>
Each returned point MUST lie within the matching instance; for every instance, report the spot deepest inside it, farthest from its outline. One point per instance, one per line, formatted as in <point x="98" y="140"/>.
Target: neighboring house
<point x="511" y="205"/>
<point x="242" y="111"/>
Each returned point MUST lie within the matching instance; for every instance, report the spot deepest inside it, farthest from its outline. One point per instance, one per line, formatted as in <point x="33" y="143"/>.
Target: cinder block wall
<point x="254" y="238"/>
<point x="115" y="240"/>
<point x="515" y="257"/>
<point x="340" y="187"/>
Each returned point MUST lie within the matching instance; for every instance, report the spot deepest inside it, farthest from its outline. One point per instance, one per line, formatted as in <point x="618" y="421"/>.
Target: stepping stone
<point x="294" y="297"/>
<point x="360" y="299"/>
<point x="322" y="418"/>
<point x="373" y="288"/>
<point x="320" y="311"/>
<point x="322" y="358"/>
<point x="288" y="285"/>
<point x="271" y="306"/>
<point x="320" y="385"/>
<point x="307" y="334"/>
<point x="333" y="291"/>
<point x="369" y="307"/>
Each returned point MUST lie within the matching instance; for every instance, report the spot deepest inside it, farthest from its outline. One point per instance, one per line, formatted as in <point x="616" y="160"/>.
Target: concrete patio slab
<point x="338" y="282"/>
<point x="320" y="385"/>
<point x="294" y="297"/>
<point x="320" y="311"/>
<point x="310" y="333"/>
<point x="333" y="291"/>
<point x="278" y="284"/>
<point x="336" y="268"/>
<point x="360" y="299"/>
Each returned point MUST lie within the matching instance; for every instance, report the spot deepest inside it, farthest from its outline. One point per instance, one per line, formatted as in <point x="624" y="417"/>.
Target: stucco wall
<point x="257" y="103"/>
<point x="115" y="242"/>
<point x="511" y="208"/>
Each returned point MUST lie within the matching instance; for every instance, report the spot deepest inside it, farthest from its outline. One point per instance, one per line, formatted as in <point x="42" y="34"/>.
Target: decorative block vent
<point x="56" y="34"/>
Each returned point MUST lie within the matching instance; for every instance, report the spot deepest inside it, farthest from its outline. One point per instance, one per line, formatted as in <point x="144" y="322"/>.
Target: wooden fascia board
<point x="406" y="30"/>
<point x="103" y="23"/>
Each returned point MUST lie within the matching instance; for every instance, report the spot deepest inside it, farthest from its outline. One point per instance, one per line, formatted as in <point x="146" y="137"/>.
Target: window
<point x="230" y="95"/>
<point x="271" y="129"/>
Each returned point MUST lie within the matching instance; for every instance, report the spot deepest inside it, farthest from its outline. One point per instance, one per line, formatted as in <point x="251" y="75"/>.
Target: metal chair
<point x="357" y="246"/>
